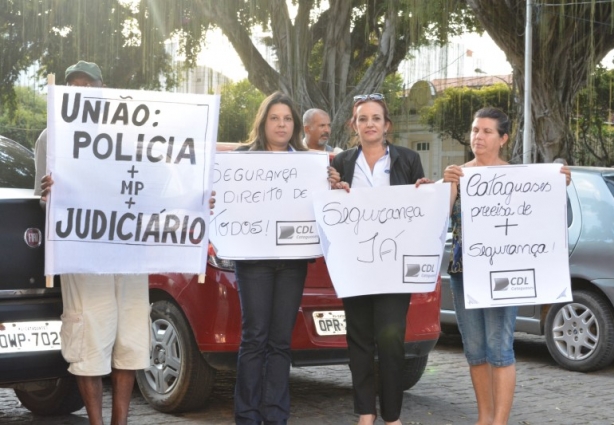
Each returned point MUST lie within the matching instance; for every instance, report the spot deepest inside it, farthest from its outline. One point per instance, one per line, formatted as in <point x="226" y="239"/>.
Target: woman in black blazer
<point x="376" y="322"/>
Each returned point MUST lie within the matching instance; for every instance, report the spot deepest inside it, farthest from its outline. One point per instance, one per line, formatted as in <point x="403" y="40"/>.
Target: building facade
<point x="436" y="153"/>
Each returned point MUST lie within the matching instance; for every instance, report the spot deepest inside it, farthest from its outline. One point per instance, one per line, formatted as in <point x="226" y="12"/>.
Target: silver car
<point x="579" y="334"/>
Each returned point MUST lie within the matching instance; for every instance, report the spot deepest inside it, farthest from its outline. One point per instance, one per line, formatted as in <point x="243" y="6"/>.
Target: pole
<point x="49" y="278"/>
<point x="528" y="68"/>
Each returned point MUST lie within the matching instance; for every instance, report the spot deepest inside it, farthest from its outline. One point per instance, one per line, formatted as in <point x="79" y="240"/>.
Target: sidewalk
<point x="545" y="394"/>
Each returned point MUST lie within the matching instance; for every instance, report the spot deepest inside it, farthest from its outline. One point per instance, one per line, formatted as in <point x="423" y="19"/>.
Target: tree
<point x="24" y="123"/>
<point x="54" y="34"/>
<point x="360" y="41"/>
<point x="239" y="104"/>
<point x="392" y="89"/>
<point x="592" y="122"/>
<point x="452" y="112"/>
<point x="569" y="39"/>
<point x="18" y="50"/>
<point x="240" y="101"/>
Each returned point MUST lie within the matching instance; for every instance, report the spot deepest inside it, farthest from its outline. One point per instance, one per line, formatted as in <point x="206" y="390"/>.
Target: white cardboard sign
<point x="514" y="220"/>
<point x="263" y="204"/>
<point x="132" y="180"/>
<point x="385" y="239"/>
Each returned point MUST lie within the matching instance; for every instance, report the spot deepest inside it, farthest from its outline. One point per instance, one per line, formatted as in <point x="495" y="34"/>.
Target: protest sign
<point x="514" y="235"/>
<point x="264" y="204"/>
<point x="385" y="239"/>
<point x="132" y="172"/>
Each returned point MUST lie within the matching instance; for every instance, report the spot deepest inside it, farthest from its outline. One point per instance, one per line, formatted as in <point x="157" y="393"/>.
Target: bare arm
<point x="452" y="174"/>
<point x="565" y="170"/>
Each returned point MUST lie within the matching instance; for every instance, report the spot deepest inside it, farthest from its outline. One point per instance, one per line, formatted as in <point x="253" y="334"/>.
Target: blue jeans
<point x="270" y="292"/>
<point x="488" y="333"/>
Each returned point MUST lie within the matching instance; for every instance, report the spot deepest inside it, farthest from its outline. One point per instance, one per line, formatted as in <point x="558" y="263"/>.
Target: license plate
<point x="30" y="336"/>
<point x="329" y="322"/>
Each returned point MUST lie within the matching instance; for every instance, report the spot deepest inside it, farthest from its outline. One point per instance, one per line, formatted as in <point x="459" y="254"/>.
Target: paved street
<point x="545" y="394"/>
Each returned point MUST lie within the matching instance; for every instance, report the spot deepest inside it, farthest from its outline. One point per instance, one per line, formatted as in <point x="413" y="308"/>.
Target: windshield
<point x="16" y="165"/>
<point x="609" y="181"/>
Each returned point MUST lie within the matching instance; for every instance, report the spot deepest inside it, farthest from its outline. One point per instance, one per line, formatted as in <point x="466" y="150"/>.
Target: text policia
<point x="113" y="225"/>
<point x="103" y="144"/>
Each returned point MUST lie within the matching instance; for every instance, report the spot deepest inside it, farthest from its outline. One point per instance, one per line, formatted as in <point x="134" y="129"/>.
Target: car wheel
<point x="580" y="334"/>
<point x="413" y="370"/>
<point x="61" y="397"/>
<point x="178" y="378"/>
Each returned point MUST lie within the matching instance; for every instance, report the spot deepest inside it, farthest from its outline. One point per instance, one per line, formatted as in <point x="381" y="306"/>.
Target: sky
<point x="219" y="55"/>
<point x="485" y="55"/>
<point x="429" y="64"/>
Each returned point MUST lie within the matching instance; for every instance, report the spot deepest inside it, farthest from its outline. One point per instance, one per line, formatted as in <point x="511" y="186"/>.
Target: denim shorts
<point x="488" y="333"/>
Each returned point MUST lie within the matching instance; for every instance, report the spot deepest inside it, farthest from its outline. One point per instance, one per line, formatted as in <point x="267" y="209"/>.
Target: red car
<point x="196" y="330"/>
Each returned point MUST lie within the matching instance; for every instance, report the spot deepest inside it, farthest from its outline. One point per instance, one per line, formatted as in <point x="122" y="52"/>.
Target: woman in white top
<point x="376" y="322"/>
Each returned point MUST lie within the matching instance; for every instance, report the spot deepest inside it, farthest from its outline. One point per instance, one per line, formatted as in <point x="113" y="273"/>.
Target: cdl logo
<point x="428" y="268"/>
<point x="286" y="232"/>
<point x="520" y="280"/>
<point x="420" y="268"/>
<point x="305" y="230"/>
<point x="412" y="270"/>
<point x="296" y="233"/>
<point x="507" y="284"/>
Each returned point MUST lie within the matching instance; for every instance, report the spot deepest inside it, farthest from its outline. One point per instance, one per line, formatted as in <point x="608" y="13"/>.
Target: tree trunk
<point x="567" y="44"/>
<point x="363" y="41"/>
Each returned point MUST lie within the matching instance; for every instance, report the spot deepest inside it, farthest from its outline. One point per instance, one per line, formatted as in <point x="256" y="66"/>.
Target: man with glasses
<point x="105" y="322"/>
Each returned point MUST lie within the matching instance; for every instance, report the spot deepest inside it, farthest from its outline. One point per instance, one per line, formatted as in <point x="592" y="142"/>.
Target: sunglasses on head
<point x="365" y="97"/>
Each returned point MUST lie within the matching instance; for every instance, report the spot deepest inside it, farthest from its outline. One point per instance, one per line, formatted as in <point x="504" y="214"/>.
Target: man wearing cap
<point x="105" y="322"/>
<point x="81" y="74"/>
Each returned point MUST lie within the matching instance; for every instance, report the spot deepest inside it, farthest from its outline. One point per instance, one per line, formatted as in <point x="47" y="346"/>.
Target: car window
<point x="609" y="181"/>
<point x="16" y="165"/>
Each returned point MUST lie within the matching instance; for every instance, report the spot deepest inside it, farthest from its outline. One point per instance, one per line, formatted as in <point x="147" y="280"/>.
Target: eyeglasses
<point x="365" y="97"/>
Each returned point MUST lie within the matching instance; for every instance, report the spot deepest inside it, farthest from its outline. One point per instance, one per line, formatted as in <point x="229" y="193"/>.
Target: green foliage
<point x="128" y="47"/>
<point x="592" y="123"/>
<point x="324" y="54"/>
<point x="238" y="106"/>
<point x="24" y="123"/>
<point x="19" y="44"/>
<point x="452" y="112"/>
<point x="392" y="89"/>
<point x="568" y="39"/>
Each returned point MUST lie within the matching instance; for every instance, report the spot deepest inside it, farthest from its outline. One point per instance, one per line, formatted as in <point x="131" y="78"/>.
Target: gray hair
<point x="309" y="113"/>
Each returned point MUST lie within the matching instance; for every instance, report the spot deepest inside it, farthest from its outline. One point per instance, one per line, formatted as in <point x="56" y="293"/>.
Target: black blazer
<point x="405" y="165"/>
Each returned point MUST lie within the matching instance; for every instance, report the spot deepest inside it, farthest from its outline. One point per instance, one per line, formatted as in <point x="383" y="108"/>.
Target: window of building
<point x="422" y="146"/>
